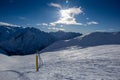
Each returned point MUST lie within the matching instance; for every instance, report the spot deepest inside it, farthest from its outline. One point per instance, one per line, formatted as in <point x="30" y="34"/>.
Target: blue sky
<point x="68" y="15"/>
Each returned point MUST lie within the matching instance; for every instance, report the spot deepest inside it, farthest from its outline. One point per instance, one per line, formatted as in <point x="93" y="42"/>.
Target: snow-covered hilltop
<point x="16" y="40"/>
<point x="92" y="39"/>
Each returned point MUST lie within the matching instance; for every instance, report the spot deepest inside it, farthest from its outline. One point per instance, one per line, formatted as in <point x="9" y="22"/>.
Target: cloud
<point x="42" y="24"/>
<point x="53" y="24"/>
<point x="68" y="16"/>
<point x="55" y="5"/>
<point x="111" y="29"/>
<point x="22" y="18"/>
<point x="100" y="30"/>
<point x="92" y="22"/>
<point x="106" y="30"/>
<point x="56" y="29"/>
<point x="87" y="18"/>
<point x="8" y="24"/>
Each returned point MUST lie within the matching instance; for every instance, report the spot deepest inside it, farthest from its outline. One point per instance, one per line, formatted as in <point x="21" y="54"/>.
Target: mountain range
<point x="16" y="40"/>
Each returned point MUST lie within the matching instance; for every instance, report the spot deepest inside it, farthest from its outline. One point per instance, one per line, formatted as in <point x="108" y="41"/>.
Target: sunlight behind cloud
<point x="68" y="16"/>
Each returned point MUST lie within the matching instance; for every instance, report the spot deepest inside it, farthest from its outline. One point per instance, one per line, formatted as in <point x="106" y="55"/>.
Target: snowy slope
<point x="92" y="63"/>
<point x="92" y="39"/>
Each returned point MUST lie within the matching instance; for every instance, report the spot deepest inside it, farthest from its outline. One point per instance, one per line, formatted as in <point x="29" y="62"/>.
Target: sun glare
<point x="65" y="13"/>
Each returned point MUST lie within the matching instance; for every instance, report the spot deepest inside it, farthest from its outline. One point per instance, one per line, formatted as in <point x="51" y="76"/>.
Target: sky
<point x="82" y="16"/>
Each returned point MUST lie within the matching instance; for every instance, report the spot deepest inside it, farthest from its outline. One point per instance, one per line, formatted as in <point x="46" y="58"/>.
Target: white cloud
<point x="87" y="18"/>
<point x="56" y="29"/>
<point x="68" y="16"/>
<point x="100" y="30"/>
<point x="8" y="24"/>
<point x="22" y="18"/>
<point x="38" y="24"/>
<point x="92" y="22"/>
<point x="61" y="25"/>
<point x="28" y="24"/>
<point x="111" y="29"/>
<point x="53" y="24"/>
<point x="42" y="24"/>
<point x="55" y="5"/>
<point x="103" y="30"/>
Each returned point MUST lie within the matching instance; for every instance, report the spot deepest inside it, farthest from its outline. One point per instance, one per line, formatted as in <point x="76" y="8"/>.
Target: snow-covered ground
<point x="74" y="63"/>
